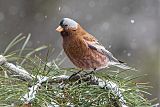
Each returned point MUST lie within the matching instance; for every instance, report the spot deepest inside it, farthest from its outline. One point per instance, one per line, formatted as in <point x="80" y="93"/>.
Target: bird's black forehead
<point x="61" y="22"/>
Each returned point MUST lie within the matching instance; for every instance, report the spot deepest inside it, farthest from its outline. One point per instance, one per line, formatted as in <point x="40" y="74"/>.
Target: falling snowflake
<point x="128" y="54"/>
<point x="132" y="21"/>
<point x="59" y="8"/>
<point x="109" y="46"/>
<point x="45" y="17"/>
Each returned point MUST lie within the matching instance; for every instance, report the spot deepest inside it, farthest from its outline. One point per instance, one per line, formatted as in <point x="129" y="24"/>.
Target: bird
<point x="83" y="49"/>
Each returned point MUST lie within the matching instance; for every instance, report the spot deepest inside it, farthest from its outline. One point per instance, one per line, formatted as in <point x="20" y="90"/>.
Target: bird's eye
<point x="65" y="25"/>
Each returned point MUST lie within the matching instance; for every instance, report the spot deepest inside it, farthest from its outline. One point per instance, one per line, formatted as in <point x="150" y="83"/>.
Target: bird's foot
<point x="74" y="74"/>
<point x="92" y="72"/>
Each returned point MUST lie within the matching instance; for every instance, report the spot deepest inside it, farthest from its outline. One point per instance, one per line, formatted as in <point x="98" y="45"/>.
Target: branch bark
<point x="15" y="70"/>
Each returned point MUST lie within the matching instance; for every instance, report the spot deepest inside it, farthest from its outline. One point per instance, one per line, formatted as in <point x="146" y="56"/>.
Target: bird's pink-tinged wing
<point x="92" y="43"/>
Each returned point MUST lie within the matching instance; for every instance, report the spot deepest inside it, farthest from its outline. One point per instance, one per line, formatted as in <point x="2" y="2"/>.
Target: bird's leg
<point x="92" y="72"/>
<point x="74" y="74"/>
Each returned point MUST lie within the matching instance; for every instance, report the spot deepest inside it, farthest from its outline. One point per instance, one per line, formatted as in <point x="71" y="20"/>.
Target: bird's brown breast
<point x="75" y="47"/>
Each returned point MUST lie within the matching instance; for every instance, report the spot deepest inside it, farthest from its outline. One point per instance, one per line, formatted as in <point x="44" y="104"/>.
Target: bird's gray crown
<point x="67" y="22"/>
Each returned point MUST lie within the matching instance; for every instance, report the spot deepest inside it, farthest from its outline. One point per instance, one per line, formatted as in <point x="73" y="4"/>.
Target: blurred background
<point x="130" y="29"/>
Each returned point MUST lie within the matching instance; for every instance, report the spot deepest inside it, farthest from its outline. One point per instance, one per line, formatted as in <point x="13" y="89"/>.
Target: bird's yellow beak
<point x="59" y="29"/>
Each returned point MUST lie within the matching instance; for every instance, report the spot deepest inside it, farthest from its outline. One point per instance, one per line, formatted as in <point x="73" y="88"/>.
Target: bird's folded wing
<point x="93" y="44"/>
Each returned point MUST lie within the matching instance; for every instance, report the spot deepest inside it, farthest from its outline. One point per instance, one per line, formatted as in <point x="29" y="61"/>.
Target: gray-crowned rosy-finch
<point x="83" y="49"/>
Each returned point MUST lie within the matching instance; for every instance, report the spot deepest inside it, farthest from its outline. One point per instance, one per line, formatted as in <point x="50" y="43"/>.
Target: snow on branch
<point x="28" y="97"/>
<point x="106" y="84"/>
<point x="93" y="80"/>
<point x="15" y="70"/>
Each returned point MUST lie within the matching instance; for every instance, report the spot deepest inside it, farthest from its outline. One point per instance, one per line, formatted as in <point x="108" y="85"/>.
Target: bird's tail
<point x="121" y="65"/>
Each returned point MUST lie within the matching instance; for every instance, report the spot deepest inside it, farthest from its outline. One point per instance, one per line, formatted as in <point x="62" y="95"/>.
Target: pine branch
<point x="28" y="97"/>
<point x="93" y="80"/>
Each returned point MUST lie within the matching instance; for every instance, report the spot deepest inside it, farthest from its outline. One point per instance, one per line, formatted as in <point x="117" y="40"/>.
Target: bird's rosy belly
<point x="94" y="60"/>
<point x="86" y="58"/>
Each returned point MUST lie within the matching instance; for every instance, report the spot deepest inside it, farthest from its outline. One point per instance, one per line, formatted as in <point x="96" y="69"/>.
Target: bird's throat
<point x="64" y="34"/>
